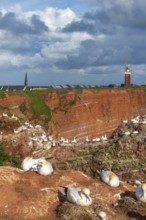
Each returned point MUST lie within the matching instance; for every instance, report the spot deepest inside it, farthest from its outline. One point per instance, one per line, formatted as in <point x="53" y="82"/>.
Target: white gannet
<point x="66" y="141"/>
<point x="27" y="163"/>
<point x="44" y="167"/>
<point x="78" y="196"/>
<point x="30" y="164"/>
<point x="87" y="139"/>
<point x="16" y="131"/>
<point x="127" y="132"/>
<point x="26" y="123"/>
<point x="74" y="141"/>
<point x="125" y="121"/>
<point x="140" y="191"/>
<point x="50" y="138"/>
<point x="14" y="117"/>
<point x="5" y="115"/>
<point x="104" y="138"/>
<point x="135" y="132"/>
<point x="109" y="178"/>
<point x="96" y="139"/>
<point x="102" y="215"/>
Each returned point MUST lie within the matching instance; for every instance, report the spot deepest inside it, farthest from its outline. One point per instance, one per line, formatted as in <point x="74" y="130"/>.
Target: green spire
<point x="25" y="81"/>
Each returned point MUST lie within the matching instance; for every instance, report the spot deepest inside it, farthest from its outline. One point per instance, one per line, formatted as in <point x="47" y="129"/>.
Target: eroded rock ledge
<point x="27" y="195"/>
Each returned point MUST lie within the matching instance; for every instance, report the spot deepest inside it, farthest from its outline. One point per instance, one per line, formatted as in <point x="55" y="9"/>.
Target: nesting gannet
<point x="14" y="117"/>
<point x="104" y="138"/>
<point x="78" y="196"/>
<point x="87" y="139"/>
<point x="135" y="132"/>
<point x="140" y="191"/>
<point x="127" y="132"/>
<point x="102" y="215"/>
<point x="30" y="164"/>
<point x="5" y="115"/>
<point x="74" y="141"/>
<point x="125" y="121"/>
<point x="26" y="123"/>
<point x="96" y="139"/>
<point x="44" y="167"/>
<point x="109" y="178"/>
<point x="27" y="163"/>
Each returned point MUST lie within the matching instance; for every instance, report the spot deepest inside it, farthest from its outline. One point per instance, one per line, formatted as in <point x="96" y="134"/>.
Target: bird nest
<point x="133" y="207"/>
<point x="69" y="211"/>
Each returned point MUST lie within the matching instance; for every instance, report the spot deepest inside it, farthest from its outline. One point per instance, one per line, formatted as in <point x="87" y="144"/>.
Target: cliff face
<point x="90" y="113"/>
<point x="93" y="114"/>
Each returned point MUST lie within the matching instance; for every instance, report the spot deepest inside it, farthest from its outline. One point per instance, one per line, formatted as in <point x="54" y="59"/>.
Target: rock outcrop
<point x="29" y="196"/>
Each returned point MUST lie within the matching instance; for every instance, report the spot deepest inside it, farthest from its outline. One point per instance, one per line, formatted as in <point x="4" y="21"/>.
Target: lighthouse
<point x="127" y="82"/>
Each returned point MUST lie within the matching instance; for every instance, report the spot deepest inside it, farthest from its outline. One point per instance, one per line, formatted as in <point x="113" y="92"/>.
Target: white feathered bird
<point x="78" y="196"/>
<point x="140" y="191"/>
<point x="109" y="178"/>
<point x="44" y="167"/>
<point x="30" y="164"/>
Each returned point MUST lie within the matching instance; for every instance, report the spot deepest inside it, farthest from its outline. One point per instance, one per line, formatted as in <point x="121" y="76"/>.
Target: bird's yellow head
<point x="144" y="187"/>
<point x="86" y="191"/>
<point x="28" y="158"/>
<point x="112" y="175"/>
<point x="43" y="161"/>
<point x="137" y="183"/>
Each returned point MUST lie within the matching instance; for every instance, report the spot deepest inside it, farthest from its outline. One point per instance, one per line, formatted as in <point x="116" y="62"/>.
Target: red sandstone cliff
<point x="90" y="113"/>
<point x="93" y="113"/>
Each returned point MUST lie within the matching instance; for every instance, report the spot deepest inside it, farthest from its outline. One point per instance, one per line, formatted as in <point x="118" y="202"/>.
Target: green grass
<point x="64" y="91"/>
<point x="2" y="94"/>
<point x="4" y="157"/>
<point x="37" y="100"/>
<point x="37" y="103"/>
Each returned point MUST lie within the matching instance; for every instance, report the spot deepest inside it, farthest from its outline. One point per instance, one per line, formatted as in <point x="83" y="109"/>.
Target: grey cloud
<point x="116" y="50"/>
<point x="124" y="28"/>
<point x="80" y="26"/>
<point x="88" y="55"/>
<point x="130" y="14"/>
<point x="11" y="23"/>
<point x="92" y="23"/>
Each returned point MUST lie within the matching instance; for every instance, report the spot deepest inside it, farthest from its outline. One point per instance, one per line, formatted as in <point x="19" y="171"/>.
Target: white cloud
<point x="56" y="18"/>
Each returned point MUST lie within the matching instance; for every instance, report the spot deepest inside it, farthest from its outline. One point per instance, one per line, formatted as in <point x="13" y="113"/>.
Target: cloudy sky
<point x="72" y="41"/>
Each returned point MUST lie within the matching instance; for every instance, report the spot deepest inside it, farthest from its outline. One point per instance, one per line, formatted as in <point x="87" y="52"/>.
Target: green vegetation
<point x="2" y="94"/>
<point x="37" y="103"/>
<point x="72" y="102"/>
<point x="22" y="107"/>
<point x="63" y="91"/>
<point x="4" y="158"/>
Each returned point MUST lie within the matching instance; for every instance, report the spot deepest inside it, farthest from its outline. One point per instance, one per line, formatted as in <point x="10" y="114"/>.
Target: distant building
<point x="127" y="81"/>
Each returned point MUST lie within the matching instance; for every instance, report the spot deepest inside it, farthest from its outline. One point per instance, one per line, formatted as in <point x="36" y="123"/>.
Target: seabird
<point x="44" y="167"/>
<point x="102" y="215"/>
<point x="140" y="191"/>
<point x="109" y="178"/>
<point x="78" y="196"/>
<point x="30" y="164"/>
